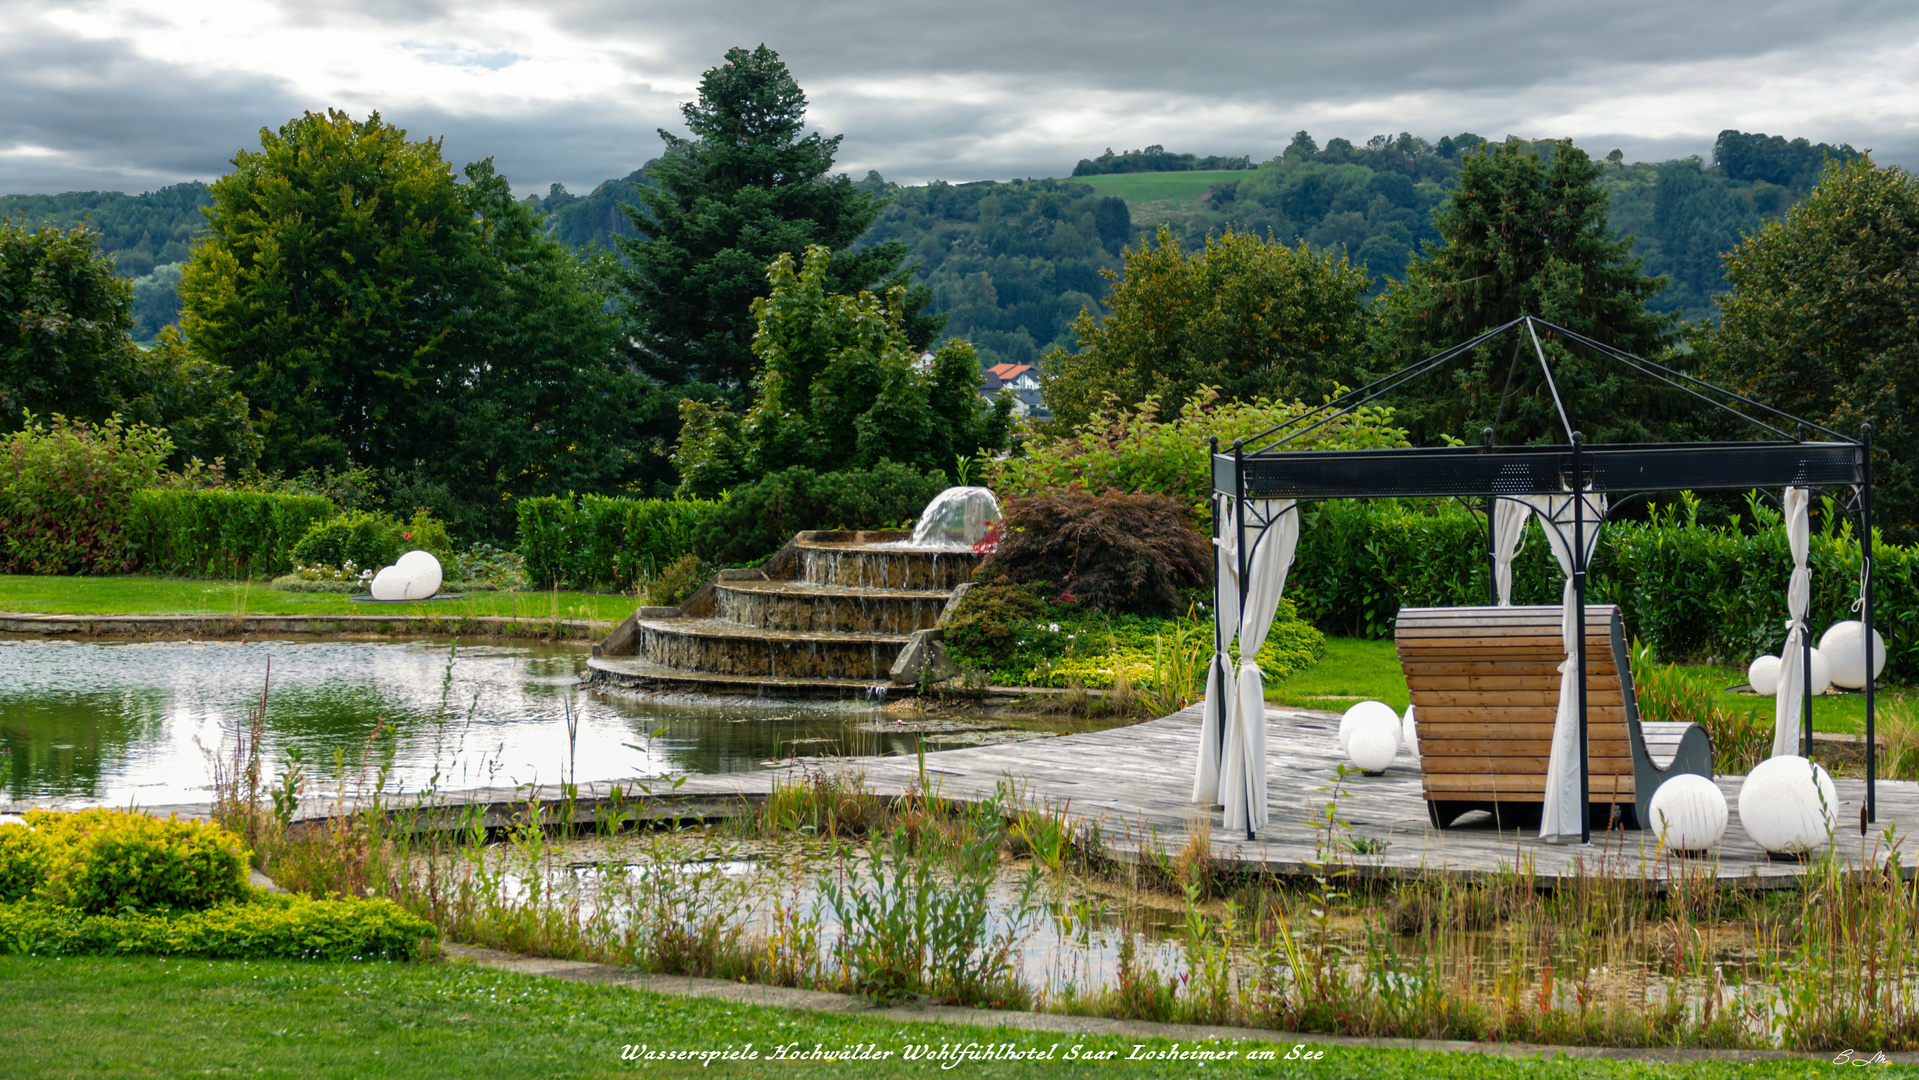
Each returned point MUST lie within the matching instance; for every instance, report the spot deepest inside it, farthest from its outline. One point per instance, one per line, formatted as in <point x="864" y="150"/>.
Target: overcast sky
<point x="132" y="95"/>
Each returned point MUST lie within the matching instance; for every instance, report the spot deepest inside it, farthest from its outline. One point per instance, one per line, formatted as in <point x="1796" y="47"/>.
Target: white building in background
<point x="1022" y="381"/>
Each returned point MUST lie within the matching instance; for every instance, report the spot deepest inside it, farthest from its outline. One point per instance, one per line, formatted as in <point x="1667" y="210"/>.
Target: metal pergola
<point x="1788" y="454"/>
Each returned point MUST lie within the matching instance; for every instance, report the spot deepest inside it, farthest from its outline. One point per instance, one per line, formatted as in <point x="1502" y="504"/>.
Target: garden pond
<point x="137" y="723"/>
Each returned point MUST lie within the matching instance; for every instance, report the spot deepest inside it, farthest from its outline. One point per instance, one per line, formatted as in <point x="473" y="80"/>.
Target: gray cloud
<point x="995" y="88"/>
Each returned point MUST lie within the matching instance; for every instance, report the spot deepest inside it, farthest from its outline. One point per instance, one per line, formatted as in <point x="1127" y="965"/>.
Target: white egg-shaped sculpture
<point x="1688" y="813"/>
<point x="1409" y="733"/>
<point x="1841" y="646"/>
<point x="1788" y="804"/>
<point x="1362" y="711"/>
<point x="423" y="574"/>
<point x="1820" y="678"/>
<point x="1374" y="742"/>
<point x="1763" y="675"/>
<point x="389" y="584"/>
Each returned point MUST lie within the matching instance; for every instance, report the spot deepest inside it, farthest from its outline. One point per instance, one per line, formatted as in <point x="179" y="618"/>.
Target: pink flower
<point x="406" y="536"/>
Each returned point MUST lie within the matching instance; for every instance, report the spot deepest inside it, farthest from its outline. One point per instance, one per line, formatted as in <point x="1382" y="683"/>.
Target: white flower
<point x="1054" y="627"/>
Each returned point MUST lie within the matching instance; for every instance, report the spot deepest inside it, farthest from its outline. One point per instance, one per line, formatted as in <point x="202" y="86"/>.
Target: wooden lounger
<point x="1485" y="687"/>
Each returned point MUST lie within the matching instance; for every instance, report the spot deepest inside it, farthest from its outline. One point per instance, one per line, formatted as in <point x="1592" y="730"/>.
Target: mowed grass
<point x="1355" y="669"/>
<point x="136" y="595"/>
<point x="1154" y="187"/>
<point x="99" y="1017"/>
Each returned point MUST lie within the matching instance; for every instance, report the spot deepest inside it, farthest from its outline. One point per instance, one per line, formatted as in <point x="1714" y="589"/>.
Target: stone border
<point x="235" y="626"/>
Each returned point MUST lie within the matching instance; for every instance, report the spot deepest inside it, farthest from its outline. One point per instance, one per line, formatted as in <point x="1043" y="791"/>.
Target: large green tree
<point x="1823" y="322"/>
<point x="1525" y="233"/>
<point x="839" y="386"/>
<point x="1254" y="317"/>
<point x="65" y="349"/>
<point x="380" y="313"/>
<point x="750" y="184"/>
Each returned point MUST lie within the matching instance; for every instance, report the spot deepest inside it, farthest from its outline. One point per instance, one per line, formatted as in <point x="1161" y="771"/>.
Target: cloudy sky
<point x="136" y="94"/>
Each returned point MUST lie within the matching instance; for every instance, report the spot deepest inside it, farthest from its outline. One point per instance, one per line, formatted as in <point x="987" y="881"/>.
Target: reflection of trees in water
<point x="694" y="739"/>
<point x="61" y="745"/>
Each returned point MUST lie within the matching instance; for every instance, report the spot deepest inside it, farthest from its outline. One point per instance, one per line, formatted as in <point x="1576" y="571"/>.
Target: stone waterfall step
<point x="722" y="647"/>
<point x="872" y="566"/>
<point x="635" y="673"/>
<point x="799" y="606"/>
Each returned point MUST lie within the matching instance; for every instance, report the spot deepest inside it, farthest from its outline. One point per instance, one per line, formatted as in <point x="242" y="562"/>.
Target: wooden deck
<point x="1135" y="781"/>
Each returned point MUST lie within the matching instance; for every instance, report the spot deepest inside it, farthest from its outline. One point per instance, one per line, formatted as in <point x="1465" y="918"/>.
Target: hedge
<point x="268" y="927"/>
<point x="597" y="541"/>
<point x="220" y="533"/>
<point x="1683" y="588"/>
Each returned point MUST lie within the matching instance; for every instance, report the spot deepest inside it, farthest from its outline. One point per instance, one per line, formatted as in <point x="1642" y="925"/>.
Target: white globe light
<point x="422" y="572"/>
<point x="1841" y="646"/>
<point x="389" y="584"/>
<point x="1409" y="733"/>
<point x="1788" y="804"/>
<point x="1688" y="813"/>
<point x="1821" y="674"/>
<point x="1374" y="741"/>
<point x="1362" y="711"/>
<point x="1763" y="675"/>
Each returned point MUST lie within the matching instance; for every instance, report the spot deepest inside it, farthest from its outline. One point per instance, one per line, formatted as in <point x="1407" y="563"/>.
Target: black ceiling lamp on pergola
<point x="1788" y="455"/>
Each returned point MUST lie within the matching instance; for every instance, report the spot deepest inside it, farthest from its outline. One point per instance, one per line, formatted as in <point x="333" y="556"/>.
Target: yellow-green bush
<point x="266" y="927"/>
<point x="100" y="861"/>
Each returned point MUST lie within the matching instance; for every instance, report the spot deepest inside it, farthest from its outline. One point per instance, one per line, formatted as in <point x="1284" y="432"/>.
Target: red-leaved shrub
<point x="1120" y="553"/>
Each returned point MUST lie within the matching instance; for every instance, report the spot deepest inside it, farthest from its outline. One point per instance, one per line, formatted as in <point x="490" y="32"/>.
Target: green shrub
<point x="25" y="858"/>
<point x="66" y="493"/>
<point x="101" y="861"/>
<point x="678" y="581"/>
<point x="268" y="927"/>
<point x="600" y="542"/>
<point x="757" y="520"/>
<point x="1118" y="553"/>
<point x="220" y="532"/>
<point x="991" y="618"/>
<point x="371" y="539"/>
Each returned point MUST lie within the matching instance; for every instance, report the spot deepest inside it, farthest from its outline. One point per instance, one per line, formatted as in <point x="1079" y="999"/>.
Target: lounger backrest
<point x="1485" y="687"/>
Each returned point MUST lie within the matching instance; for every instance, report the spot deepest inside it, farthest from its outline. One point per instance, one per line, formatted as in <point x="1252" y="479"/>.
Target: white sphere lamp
<point x="1843" y="650"/>
<point x="1763" y="675"/>
<point x="389" y="584"/>
<point x="1374" y="742"/>
<point x="1819" y="677"/>
<point x="1409" y="733"/>
<point x="422" y="572"/>
<point x="1374" y="710"/>
<point x="1788" y="805"/>
<point x="1688" y="813"/>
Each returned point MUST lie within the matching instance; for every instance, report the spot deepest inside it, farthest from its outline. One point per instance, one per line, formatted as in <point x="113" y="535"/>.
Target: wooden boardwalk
<point x="1135" y="782"/>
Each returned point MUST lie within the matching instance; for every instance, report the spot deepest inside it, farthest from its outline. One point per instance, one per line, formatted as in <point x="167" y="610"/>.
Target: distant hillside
<point x="1011" y="264"/>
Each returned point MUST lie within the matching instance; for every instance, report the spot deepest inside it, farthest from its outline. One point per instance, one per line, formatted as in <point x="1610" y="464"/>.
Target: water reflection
<point x="135" y="723"/>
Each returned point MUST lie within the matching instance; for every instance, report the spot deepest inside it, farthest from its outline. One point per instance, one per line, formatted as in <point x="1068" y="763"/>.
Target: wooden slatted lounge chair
<point x="1485" y="687"/>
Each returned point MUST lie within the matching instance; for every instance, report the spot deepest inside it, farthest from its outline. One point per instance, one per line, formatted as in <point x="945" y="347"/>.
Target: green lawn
<point x="1152" y="187"/>
<point x="134" y="595"/>
<point x="1352" y="670"/>
<point x="1355" y="669"/>
<point x="142" y="1017"/>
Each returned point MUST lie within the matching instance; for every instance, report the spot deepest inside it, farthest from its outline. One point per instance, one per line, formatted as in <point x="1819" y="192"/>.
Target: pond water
<point x="136" y="723"/>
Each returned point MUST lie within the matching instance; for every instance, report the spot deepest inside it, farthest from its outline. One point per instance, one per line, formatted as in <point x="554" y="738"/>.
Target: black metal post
<point x="1865" y="615"/>
<point x="1579" y="608"/>
<point x="1239" y="522"/>
<point x="1492" y="558"/>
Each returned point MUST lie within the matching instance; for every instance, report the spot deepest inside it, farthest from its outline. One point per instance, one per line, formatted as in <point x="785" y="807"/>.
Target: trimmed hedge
<point x="597" y="541"/>
<point x="220" y="533"/>
<point x="757" y="520"/>
<point x="269" y="927"/>
<point x="1683" y="588"/>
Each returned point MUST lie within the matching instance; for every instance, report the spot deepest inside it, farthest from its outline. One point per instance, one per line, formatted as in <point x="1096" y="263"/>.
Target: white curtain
<point x="1509" y="535"/>
<point x="1789" y="708"/>
<point x="1562" y="812"/>
<point x="1242" y="779"/>
<point x="1215" y="718"/>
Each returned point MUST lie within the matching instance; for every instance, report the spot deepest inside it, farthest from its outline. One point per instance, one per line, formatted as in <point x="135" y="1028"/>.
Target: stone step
<point x="632" y="672"/>
<point x="801" y="606"/>
<point x="868" y="566"/>
<point x="722" y="647"/>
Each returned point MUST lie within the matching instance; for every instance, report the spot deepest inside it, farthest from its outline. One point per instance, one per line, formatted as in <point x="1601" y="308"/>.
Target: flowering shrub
<point x="101" y="861"/>
<point x="370" y="539"/>
<point x="66" y="492"/>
